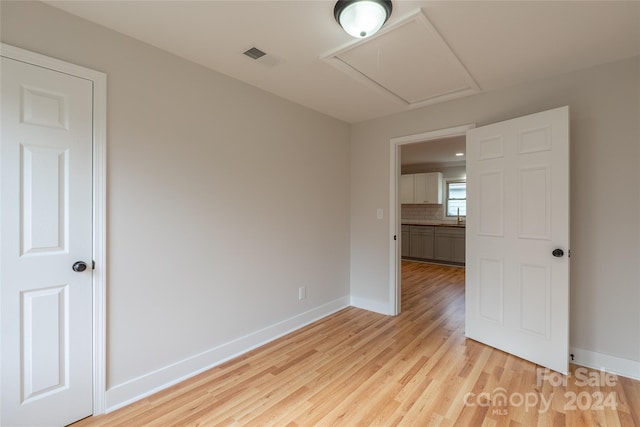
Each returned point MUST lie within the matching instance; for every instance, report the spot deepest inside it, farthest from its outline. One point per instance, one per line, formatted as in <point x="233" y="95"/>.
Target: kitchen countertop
<point x="432" y="223"/>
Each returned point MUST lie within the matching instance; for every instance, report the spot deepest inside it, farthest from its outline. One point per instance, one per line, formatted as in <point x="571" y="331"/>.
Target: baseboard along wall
<point x="138" y="388"/>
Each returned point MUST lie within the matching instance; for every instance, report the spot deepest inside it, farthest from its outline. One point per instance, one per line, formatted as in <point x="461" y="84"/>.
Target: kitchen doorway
<point x="518" y="231"/>
<point x="425" y="155"/>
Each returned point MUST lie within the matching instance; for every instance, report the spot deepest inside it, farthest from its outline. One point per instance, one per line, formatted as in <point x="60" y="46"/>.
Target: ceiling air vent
<point x="262" y="57"/>
<point x="254" y="53"/>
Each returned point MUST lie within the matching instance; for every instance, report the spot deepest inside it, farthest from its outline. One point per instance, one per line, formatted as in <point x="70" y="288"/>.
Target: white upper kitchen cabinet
<point x="406" y="189"/>
<point x="427" y="188"/>
<point x="421" y="188"/>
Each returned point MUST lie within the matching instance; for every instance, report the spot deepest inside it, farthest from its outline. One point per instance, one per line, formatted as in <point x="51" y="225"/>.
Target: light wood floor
<point x="357" y="368"/>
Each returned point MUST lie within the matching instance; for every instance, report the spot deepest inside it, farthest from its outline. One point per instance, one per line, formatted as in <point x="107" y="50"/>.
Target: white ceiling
<point x="435" y="153"/>
<point x="440" y="49"/>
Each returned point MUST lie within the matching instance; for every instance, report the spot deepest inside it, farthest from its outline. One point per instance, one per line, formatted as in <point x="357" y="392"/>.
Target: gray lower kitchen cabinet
<point x="442" y="250"/>
<point x="433" y="243"/>
<point x="450" y="244"/>
<point x="458" y="248"/>
<point x="404" y="240"/>
<point x="421" y="241"/>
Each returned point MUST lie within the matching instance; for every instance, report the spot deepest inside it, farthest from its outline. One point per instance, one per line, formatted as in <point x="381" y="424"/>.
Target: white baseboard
<point x="143" y="386"/>
<point x="375" y="306"/>
<point x="615" y="365"/>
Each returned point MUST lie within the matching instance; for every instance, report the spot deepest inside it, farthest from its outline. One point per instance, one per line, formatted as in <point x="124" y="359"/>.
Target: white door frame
<point x="394" y="205"/>
<point x="99" y="203"/>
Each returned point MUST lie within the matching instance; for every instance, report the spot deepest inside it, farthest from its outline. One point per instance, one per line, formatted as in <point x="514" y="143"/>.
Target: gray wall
<point x="605" y="194"/>
<point x="222" y="199"/>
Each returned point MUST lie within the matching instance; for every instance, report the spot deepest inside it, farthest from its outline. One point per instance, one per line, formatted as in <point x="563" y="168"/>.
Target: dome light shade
<point x="362" y="18"/>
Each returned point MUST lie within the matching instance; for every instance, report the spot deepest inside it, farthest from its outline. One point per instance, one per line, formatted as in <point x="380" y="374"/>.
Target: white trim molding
<point x="153" y="382"/>
<point x="99" y="81"/>
<point x="375" y="306"/>
<point x="605" y="362"/>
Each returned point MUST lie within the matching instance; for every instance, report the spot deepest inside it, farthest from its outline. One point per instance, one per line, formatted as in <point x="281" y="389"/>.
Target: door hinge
<point x="569" y="251"/>
<point x="395" y="237"/>
<point x="93" y="265"/>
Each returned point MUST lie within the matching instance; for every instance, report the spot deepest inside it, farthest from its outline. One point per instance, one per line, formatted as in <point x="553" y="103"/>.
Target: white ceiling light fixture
<point x="362" y="18"/>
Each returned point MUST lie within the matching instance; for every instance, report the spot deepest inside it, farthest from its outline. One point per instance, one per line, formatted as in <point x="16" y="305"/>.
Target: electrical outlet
<point x="379" y="213"/>
<point x="302" y="293"/>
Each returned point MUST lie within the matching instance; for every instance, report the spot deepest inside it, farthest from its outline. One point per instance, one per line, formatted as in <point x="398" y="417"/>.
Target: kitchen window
<point x="456" y="195"/>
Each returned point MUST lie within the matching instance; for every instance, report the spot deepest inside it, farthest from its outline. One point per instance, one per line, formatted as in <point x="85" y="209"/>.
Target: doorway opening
<point x="428" y="158"/>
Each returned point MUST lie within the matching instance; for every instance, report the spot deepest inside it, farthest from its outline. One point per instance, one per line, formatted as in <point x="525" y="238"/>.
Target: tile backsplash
<point x="422" y="212"/>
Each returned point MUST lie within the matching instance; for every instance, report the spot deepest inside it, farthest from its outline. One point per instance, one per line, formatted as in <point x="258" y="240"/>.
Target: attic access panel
<point x="410" y="62"/>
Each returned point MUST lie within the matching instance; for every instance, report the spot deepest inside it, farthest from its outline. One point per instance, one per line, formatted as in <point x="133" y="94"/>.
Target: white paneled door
<point x="517" y="289"/>
<point x="46" y="248"/>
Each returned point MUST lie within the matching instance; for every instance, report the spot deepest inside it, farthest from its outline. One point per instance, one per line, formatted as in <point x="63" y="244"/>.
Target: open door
<point x="517" y="281"/>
